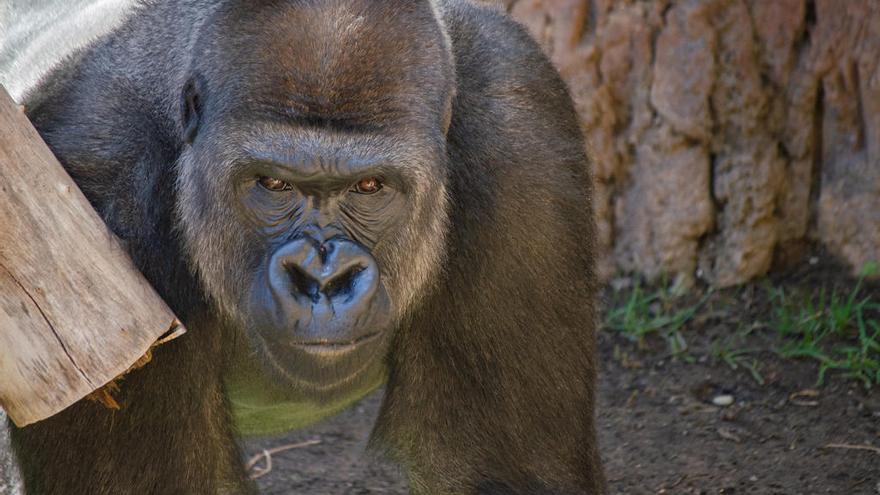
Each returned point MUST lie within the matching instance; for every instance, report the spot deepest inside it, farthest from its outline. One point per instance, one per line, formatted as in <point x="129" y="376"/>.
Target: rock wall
<point x="728" y="135"/>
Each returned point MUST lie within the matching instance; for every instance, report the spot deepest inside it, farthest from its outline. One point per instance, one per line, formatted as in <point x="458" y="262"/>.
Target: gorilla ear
<point x="192" y="101"/>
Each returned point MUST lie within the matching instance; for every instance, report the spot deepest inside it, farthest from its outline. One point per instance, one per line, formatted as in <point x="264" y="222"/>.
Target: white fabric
<point x="37" y="34"/>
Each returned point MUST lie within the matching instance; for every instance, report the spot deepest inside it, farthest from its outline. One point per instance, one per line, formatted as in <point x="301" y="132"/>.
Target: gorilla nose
<point x="337" y="271"/>
<point x="322" y="294"/>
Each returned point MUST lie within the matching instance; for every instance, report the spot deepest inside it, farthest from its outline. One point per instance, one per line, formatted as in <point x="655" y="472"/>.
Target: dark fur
<point x="491" y="367"/>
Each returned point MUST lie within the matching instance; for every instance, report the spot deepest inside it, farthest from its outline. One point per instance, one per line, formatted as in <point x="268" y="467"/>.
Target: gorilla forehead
<point x="319" y="58"/>
<point x="315" y="151"/>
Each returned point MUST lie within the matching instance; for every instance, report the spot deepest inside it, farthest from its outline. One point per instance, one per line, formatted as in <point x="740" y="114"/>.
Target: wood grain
<point x="74" y="310"/>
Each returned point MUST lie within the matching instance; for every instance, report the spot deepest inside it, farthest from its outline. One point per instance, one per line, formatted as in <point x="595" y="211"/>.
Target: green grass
<point x="839" y="330"/>
<point x="653" y="312"/>
<point x="727" y="352"/>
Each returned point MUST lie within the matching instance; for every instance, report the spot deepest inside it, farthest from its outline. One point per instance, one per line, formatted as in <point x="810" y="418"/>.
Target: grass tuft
<point x="727" y="351"/>
<point x="839" y="330"/>
<point x="653" y="312"/>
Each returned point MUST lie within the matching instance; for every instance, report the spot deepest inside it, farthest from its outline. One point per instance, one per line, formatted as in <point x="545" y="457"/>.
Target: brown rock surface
<point x="726" y="133"/>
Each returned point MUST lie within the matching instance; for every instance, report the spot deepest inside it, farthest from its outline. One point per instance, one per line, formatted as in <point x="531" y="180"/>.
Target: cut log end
<point x="75" y="312"/>
<point x="105" y="394"/>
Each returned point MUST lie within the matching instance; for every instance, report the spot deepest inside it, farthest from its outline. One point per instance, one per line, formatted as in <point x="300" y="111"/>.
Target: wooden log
<point x="75" y="313"/>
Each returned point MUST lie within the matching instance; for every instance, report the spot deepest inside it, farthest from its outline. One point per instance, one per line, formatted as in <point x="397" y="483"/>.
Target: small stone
<point x="621" y="283"/>
<point x="722" y="400"/>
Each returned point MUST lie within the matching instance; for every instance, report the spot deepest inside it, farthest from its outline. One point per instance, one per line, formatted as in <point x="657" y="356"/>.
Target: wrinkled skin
<point x="342" y="192"/>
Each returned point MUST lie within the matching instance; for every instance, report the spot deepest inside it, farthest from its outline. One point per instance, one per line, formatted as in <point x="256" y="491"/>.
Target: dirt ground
<point x="660" y="430"/>
<point x="658" y="434"/>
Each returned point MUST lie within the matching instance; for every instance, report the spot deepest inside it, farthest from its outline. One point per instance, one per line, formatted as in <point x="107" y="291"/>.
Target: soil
<point x="659" y="428"/>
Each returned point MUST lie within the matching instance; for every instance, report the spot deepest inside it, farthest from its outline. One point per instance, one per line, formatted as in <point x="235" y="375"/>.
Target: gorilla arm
<point x="173" y="434"/>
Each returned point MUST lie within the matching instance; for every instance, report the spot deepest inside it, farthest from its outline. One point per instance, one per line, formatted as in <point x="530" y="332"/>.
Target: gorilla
<point x="334" y="195"/>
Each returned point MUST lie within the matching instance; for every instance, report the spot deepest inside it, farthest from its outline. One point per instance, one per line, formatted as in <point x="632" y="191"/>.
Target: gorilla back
<point x="332" y="194"/>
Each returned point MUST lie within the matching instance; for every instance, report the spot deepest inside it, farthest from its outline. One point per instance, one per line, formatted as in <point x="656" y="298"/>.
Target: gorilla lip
<point x="326" y="346"/>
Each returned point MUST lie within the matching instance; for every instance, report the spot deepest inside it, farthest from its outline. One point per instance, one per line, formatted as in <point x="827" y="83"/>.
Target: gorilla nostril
<point x="342" y="284"/>
<point x="304" y="283"/>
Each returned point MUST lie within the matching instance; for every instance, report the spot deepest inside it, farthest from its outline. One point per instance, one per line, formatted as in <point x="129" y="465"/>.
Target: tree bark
<point x="728" y="135"/>
<point x="75" y="313"/>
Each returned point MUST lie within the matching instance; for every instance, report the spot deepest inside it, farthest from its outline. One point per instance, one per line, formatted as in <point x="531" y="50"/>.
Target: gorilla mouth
<point x="321" y="364"/>
<point x="331" y="347"/>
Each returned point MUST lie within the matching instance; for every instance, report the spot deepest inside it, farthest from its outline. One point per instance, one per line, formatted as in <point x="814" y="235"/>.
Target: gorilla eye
<point x="369" y="185"/>
<point x="273" y="184"/>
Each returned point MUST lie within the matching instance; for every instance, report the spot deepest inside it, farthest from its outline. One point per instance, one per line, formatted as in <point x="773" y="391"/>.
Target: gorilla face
<point x="322" y="177"/>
